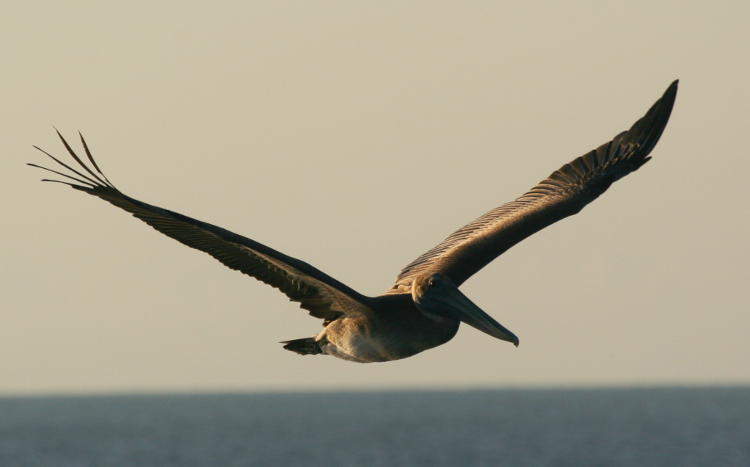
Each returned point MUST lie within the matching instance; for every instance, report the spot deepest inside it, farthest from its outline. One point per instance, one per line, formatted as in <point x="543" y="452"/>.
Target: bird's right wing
<point x="565" y="192"/>
<point x="323" y="296"/>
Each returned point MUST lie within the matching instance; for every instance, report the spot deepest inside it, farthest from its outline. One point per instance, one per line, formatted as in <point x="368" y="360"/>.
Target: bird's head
<point x="437" y="295"/>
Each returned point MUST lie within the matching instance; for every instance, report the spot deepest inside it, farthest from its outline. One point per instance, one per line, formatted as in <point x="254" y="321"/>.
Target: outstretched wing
<point x="323" y="296"/>
<point x="562" y="194"/>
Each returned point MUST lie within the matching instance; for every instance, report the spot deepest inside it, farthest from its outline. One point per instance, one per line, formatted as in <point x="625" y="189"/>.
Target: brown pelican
<point x="425" y="306"/>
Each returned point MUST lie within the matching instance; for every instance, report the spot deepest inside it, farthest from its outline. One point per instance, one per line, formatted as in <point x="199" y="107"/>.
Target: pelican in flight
<point x="425" y="306"/>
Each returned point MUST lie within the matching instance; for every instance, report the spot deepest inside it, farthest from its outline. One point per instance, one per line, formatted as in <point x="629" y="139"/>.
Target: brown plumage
<point x="424" y="307"/>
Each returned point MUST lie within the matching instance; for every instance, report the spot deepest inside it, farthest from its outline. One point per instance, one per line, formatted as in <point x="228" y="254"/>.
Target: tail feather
<point x="306" y="346"/>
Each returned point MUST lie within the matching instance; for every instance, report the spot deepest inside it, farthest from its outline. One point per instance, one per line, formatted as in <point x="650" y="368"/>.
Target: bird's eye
<point x="432" y="283"/>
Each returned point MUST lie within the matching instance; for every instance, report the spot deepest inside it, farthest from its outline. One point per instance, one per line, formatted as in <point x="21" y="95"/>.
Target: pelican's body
<point x="424" y="307"/>
<point x="391" y="328"/>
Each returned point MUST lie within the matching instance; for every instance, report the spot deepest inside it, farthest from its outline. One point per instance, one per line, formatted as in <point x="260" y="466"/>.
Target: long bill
<point x="458" y="306"/>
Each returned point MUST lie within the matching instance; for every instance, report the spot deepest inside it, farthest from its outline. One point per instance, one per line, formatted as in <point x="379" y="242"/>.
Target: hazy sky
<point x="355" y="136"/>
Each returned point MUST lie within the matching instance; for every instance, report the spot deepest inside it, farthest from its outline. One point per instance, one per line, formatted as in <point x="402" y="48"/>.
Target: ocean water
<point x="519" y="427"/>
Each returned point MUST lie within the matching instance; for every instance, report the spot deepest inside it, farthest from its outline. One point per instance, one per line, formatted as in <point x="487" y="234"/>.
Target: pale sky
<point x="355" y="136"/>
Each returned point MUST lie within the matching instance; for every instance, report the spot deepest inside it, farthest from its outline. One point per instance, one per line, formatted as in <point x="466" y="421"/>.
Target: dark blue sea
<point x="509" y="427"/>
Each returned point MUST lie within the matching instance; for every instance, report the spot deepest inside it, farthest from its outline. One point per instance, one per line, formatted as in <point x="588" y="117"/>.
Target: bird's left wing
<point x="564" y="193"/>
<point x="323" y="296"/>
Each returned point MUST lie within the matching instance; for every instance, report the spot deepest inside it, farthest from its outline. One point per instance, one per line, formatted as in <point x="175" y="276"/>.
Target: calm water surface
<point x="538" y="427"/>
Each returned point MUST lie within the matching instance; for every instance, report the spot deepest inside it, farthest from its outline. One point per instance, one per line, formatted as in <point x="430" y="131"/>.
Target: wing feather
<point x="565" y="192"/>
<point x="323" y="296"/>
